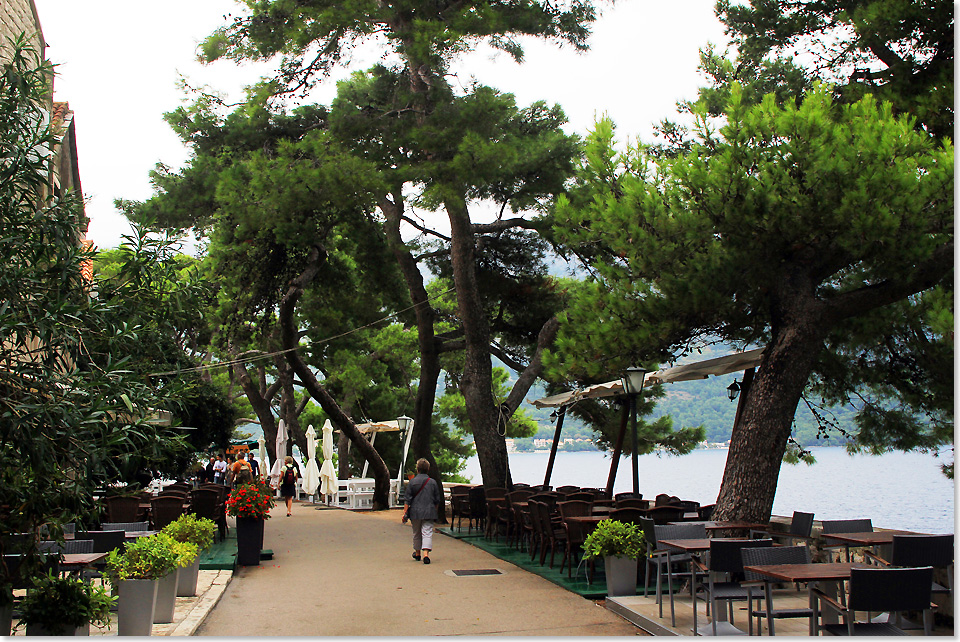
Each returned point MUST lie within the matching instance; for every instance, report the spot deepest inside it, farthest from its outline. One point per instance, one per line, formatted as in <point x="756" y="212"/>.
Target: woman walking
<point x="420" y="503"/>
<point x="288" y="482"/>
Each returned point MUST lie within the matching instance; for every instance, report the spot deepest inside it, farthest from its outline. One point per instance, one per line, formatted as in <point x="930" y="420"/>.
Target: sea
<point x="897" y="490"/>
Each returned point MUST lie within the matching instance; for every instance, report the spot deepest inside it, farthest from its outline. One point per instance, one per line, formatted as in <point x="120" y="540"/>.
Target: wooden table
<point x="882" y="541"/>
<point x="136" y="534"/>
<point x="78" y="561"/>
<point x="714" y="525"/>
<point x="830" y="575"/>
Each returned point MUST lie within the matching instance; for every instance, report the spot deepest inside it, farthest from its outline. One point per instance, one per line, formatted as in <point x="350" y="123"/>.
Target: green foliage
<point x="612" y="538"/>
<point x="782" y="211"/>
<point x="191" y="529"/>
<point x="451" y="406"/>
<point x="145" y="558"/>
<point x="62" y="604"/>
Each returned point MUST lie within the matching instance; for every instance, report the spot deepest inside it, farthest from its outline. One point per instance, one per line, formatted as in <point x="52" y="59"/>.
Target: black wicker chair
<point x="771" y="555"/>
<point x="726" y="560"/>
<point x="875" y="590"/>
<point x="846" y="526"/>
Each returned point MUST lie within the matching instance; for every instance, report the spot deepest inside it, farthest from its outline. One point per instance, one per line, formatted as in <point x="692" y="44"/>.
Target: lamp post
<point x="402" y="422"/>
<point x="632" y="382"/>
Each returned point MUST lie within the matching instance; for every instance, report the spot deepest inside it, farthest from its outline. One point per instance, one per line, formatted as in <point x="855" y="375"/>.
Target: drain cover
<point x="477" y="571"/>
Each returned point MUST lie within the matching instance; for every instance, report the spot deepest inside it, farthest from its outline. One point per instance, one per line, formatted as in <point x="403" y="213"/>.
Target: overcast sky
<point x="120" y="61"/>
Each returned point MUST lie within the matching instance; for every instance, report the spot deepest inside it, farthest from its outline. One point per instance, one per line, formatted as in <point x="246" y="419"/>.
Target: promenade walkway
<point x="337" y="572"/>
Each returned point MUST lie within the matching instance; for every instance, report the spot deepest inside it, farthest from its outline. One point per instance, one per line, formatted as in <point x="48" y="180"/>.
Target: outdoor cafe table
<point x="136" y="534"/>
<point x="696" y="545"/>
<point x="881" y="540"/>
<point x="828" y="575"/>
<point x="715" y="525"/>
<point x="73" y="562"/>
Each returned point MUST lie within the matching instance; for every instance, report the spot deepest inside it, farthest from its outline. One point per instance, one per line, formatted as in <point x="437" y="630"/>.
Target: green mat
<point x="577" y="584"/>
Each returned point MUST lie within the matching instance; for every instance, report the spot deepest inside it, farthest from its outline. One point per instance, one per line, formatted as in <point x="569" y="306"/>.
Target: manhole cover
<point x="477" y="571"/>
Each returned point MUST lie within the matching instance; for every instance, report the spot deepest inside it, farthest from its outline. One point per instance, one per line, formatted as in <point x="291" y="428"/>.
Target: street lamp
<point x="632" y="382"/>
<point x="733" y="390"/>
<point x="402" y="422"/>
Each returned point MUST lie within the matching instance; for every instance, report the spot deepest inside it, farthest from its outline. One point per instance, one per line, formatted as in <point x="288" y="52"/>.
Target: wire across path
<point x="337" y="572"/>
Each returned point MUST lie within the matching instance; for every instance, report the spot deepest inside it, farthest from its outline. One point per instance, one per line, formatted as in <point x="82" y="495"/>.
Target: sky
<point x="119" y="63"/>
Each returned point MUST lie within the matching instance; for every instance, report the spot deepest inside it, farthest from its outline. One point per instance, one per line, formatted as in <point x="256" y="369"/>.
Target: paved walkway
<point x="337" y="572"/>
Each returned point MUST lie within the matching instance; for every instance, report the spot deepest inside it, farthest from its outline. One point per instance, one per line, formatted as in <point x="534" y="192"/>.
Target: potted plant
<point x="250" y="504"/>
<point x="64" y="606"/>
<point x="136" y="572"/>
<point x="198" y="531"/>
<point x="167" y="587"/>
<point x="620" y="544"/>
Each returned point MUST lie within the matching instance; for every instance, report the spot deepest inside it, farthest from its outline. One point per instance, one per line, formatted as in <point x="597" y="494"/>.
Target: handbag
<point x="403" y="520"/>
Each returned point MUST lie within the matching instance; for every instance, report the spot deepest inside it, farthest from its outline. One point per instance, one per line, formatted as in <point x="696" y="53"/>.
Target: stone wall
<point x="16" y="17"/>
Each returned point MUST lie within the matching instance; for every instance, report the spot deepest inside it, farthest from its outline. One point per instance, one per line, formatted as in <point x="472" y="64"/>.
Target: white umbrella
<point x="311" y="476"/>
<point x="328" y="474"/>
<point x="262" y="445"/>
<point x="281" y="451"/>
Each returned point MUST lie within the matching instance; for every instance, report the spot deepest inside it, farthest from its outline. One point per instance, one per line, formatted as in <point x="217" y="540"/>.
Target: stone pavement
<point x="337" y="572"/>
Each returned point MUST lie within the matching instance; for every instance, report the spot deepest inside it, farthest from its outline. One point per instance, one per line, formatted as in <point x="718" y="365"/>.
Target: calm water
<point x="897" y="490"/>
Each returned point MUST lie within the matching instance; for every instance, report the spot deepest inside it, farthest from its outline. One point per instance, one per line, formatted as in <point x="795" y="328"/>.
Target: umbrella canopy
<point x="699" y="370"/>
<point x="281" y="451"/>
<point x="262" y="446"/>
<point x="311" y="476"/>
<point x="328" y="474"/>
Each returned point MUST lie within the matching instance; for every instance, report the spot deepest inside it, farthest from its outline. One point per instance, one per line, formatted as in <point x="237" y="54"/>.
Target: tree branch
<point x="505" y="224"/>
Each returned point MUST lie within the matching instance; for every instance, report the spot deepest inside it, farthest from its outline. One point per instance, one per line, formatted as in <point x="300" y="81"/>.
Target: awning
<point x="687" y="372"/>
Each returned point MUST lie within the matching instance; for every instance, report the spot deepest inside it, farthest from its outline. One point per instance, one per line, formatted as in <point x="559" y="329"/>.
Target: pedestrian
<point x="420" y="503"/>
<point x="254" y="465"/>
<point x="208" y="477"/>
<point x="228" y="475"/>
<point x="288" y="482"/>
<point x="219" y="470"/>
<point x="242" y="472"/>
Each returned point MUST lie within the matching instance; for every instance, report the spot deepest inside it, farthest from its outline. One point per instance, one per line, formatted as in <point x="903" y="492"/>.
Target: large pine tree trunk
<point x="476" y="382"/>
<point x="759" y="439"/>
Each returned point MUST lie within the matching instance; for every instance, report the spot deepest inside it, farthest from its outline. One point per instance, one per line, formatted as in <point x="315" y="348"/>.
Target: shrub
<point x="614" y="538"/>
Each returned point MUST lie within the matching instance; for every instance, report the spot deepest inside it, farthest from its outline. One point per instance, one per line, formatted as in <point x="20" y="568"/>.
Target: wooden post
<point x="744" y="387"/>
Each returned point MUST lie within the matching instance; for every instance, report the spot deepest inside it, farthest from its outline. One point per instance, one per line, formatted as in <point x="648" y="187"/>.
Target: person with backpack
<point x="288" y="482"/>
<point x="242" y="471"/>
<point x="420" y="503"/>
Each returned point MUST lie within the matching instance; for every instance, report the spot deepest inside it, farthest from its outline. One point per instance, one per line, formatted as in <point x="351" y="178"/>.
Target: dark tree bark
<point x="289" y="339"/>
<point x="260" y="398"/>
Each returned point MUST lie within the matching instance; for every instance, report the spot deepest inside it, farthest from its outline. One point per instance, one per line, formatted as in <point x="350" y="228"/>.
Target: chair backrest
<point x="478" y="502"/>
<point x="103" y="541"/>
<point x="206" y="503"/>
<point x="49" y="547"/>
<point x="757" y="556"/>
<point x="847" y="526"/>
<point x="550" y="499"/>
<point x="18" y="581"/>
<point x="175" y="492"/>
<point x="125" y="526"/>
<point x="576" y="532"/>
<point x="890" y="589"/>
<point x="583" y="495"/>
<point x="619" y="496"/>
<point x="802" y="524"/>
<point x="706" y="512"/>
<point x="521" y="485"/>
<point x="574" y="508"/>
<point x="166" y="508"/>
<point x="541" y="512"/>
<point x="627" y="515"/>
<point x="533" y="513"/>
<point x="726" y="557"/>
<point x="495" y="492"/>
<point x="632" y="502"/>
<point x="566" y="490"/>
<point x="664" y="514"/>
<point x="922" y="550"/>
<point x="661" y="499"/>
<point x="69" y="528"/>
<point x="650" y="533"/>
<point x="121" y="509"/>
<point x="686" y="505"/>
<point x="78" y="546"/>
<point x="520" y="495"/>
<point x="680" y="531"/>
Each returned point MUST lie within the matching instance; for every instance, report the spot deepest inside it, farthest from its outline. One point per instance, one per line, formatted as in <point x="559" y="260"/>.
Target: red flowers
<point x="251" y="500"/>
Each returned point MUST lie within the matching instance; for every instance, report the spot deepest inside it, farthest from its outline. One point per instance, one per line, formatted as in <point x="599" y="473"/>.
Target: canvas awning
<point x="687" y="372"/>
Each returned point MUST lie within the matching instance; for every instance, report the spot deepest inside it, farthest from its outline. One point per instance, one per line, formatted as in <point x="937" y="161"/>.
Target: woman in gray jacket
<point x="420" y="503"/>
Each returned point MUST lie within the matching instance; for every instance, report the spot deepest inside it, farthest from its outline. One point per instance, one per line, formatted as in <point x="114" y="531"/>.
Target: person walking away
<point x="420" y="505"/>
<point x="288" y="482"/>
<point x="219" y="470"/>
<point x="242" y="472"/>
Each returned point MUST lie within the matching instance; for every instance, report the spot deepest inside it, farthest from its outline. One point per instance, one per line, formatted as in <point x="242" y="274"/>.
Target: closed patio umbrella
<point x="262" y="446"/>
<point x="328" y="474"/>
<point x="311" y="476"/>
<point x="281" y="451"/>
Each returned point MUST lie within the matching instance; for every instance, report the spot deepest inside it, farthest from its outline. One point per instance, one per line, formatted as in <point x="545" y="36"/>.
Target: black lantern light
<point x="733" y="390"/>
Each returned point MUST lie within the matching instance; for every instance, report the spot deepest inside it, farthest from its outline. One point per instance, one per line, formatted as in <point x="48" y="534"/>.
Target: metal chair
<point x="566" y="490"/>
<point x="801" y="525"/>
<point x="553" y="534"/>
<point x="459" y="505"/>
<point x="771" y="555"/>
<point x="922" y="550"/>
<point x="582" y="495"/>
<point x="632" y="502"/>
<point x="664" y="514"/>
<point x="207" y="503"/>
<point x="627" y="515"/>
<point x="574" y="508"/>
<point x="704" y="513"/>
<point x="846" y="526"/>
<point x="657" y="556"/>
<point x="726" y="560"/>
<point x="478" y="508"/>
<point x="72" y="546"/>
<point x="875" y="590"/>
<point x="103" y="542"/>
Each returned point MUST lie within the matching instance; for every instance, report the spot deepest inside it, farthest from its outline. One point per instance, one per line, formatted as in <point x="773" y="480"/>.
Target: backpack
<point x="290" y="476"/>
<point x="245" y="476"/>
